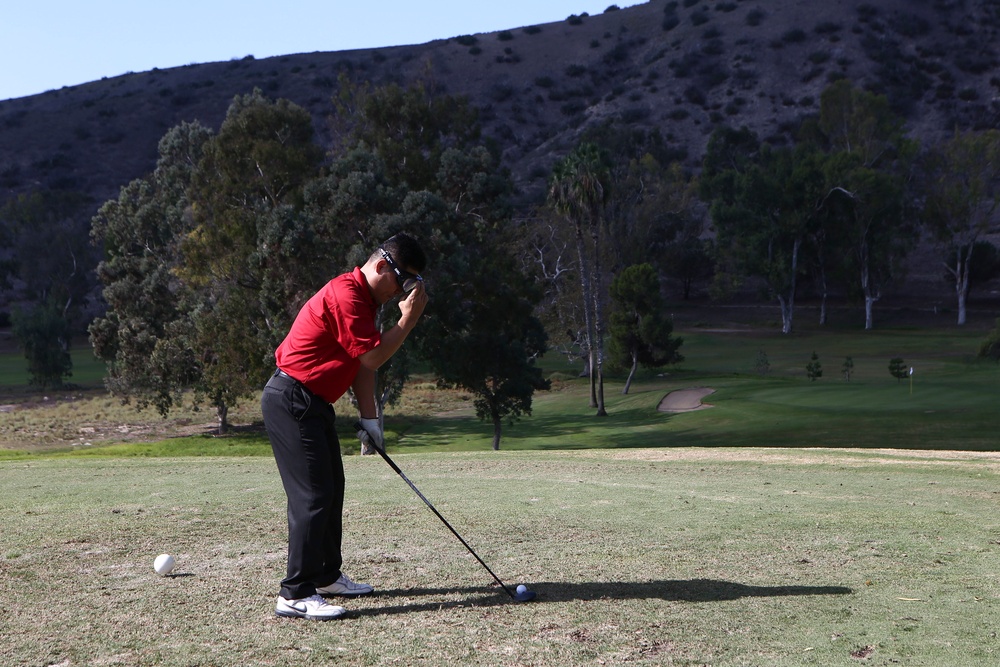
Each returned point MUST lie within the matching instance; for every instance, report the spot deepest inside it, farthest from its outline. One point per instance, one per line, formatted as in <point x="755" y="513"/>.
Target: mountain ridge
<point x="681" y="67"/>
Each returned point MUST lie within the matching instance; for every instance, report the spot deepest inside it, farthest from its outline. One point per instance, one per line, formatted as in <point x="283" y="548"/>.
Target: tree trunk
<point x="598" y="316"/>
<point x="962" y="282"/>
<point x="222" y="412"/>
<point x="786" y="315"/>
<point x="866" y="288"/>
<point x="631" y="374"/>
<point x="585" y="285"/>
<point x="497" y="428"/>
<point x="822" y="299"/>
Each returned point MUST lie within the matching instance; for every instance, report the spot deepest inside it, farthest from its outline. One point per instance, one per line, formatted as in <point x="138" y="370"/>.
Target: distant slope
<point x="684" y="67"/>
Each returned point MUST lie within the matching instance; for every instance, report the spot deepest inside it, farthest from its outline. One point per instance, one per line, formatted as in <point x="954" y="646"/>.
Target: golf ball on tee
<point x="164" y="564"/>
<point x="521" y="589"/>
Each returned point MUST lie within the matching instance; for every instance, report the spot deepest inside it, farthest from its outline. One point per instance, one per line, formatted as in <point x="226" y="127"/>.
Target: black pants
<point x="300" y="426"/>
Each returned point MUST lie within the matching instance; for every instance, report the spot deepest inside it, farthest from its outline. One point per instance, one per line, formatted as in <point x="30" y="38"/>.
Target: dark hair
<point x="406" y="252"/>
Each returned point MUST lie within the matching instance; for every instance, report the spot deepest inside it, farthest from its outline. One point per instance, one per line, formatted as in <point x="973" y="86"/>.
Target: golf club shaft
<point x="392" y="464"/>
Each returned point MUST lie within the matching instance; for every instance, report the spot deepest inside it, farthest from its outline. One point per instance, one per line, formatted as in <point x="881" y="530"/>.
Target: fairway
<point x="670" y="556"/>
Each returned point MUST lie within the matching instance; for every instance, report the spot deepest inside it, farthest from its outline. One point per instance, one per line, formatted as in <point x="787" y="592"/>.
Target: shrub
<point x="694" y="95"/>
<point x="670" y="21"/>
<point x="467" y="40"/>
<point x="505" y="36"/>
<point x="990" y="349"/>
<point x="726" y="7"/>
<point x="866" y="12"/>
<point x="898" y="368"/>
<point x="699" y="17"/>
<point x="761" y="364"/>
<point x="634" y="114"/>
<point x="576" y="70"/>
<point x="475" y="50"/>
<point x="714" y="47"/>
<point x="612" y="8"/>
<point x="755" y="17"/>
<point x="794" y="36"/>
<point x="573" y="19"/>
<point x="847" y="368"/>
<point x="814" y="369"/>
<point x="826" y="28"/>
<point x="819" y="57"/>
<point x="532" y="30"/>
<point x="545" y="82"/>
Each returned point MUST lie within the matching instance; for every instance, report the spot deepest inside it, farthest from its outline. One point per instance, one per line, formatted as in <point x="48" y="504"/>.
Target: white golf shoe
<point x="314" y="608"/>
<point x="345" y="587"/>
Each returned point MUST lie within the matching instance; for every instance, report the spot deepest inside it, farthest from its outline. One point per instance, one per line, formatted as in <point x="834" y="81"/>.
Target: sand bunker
<point x="685" y="400"/>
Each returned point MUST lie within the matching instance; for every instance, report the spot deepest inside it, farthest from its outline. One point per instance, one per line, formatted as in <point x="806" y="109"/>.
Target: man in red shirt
<point x="333" y="344"/>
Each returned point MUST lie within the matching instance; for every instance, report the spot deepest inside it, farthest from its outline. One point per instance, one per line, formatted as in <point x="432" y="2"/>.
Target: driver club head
<point x="522" y="594"/>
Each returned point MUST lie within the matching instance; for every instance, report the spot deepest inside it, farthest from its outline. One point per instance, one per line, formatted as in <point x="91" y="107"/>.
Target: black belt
<point x="282" y="374"/>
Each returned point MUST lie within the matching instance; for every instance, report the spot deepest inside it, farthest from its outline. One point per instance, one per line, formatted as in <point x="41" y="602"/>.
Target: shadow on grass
<point x="690" y="590"/>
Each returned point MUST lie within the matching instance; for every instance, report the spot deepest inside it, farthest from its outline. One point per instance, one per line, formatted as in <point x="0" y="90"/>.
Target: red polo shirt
<point x="334" y="328"/>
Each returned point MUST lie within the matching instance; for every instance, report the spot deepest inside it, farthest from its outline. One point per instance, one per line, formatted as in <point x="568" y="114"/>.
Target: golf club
<point x="519" y="595"/>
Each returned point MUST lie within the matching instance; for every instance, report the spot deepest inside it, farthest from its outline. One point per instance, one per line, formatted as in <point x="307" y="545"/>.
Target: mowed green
<point x="683" y="556"/>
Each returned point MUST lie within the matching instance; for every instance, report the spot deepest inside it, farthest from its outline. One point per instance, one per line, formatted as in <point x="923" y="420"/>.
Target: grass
<point x="949" y="405"/>
<point x="793" y="523"/>
<point x="658" y="556"/>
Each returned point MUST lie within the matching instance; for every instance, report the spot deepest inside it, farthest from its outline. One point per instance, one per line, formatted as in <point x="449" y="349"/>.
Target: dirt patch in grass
<point x="811" y="456"/>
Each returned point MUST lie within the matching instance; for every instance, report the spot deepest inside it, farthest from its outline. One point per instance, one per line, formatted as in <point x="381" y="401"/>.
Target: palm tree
<point x="577" y="190"/>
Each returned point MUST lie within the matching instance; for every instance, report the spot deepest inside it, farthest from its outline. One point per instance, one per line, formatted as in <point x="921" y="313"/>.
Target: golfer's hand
<point x="413" y="305"/>
<point x="371" y="428"/>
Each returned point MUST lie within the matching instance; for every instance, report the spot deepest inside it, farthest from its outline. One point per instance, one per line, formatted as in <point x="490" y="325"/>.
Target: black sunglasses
<point x="407" y="281"/>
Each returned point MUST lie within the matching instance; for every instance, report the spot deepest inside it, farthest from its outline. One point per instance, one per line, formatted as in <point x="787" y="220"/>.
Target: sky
<point x="48" y="44"/>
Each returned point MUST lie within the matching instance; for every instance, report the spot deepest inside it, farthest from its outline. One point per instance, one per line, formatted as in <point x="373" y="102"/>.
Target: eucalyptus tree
<point x="147" y="334"/>
<point x="963" y="202"/>
<point x="413" y="160"/>
<point x="44" y="260"/>
<point x="867" y="180"/>
<point x="765" y="203"/>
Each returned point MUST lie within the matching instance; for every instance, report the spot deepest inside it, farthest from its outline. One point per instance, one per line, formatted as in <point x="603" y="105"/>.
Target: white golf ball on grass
<point x="521" y="589"/>
<point x="164" y="564"/>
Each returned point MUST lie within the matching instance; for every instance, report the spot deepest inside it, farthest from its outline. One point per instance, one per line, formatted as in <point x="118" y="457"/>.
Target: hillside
<point x="684" y="67"/>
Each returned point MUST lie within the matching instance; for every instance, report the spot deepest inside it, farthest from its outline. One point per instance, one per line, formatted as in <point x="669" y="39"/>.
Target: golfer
<point x="332" y="345"/>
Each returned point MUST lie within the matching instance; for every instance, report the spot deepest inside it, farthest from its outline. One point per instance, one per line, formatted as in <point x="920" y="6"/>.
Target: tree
<point x="764" y="205"/>
<point x="577" y="190"/>
<point x="640" y="330"/>
<point x="875" y="231"/>
<point x="49" y="257"/>
<point x="415" y="162"/>
<point x="990" y="348"/>
<point x="245" y="255"/>
<point x="408" y="128"/>
<point x="493" y="355"/>
<point x="963" y="196"/>
<point x="814" y="369"/>
<point x="898" y="368"/>
<point x="147" y="335"/>
<point x="866" y="179"/>
<point x="43" y="333"/>
<point x="847" y="368"/>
